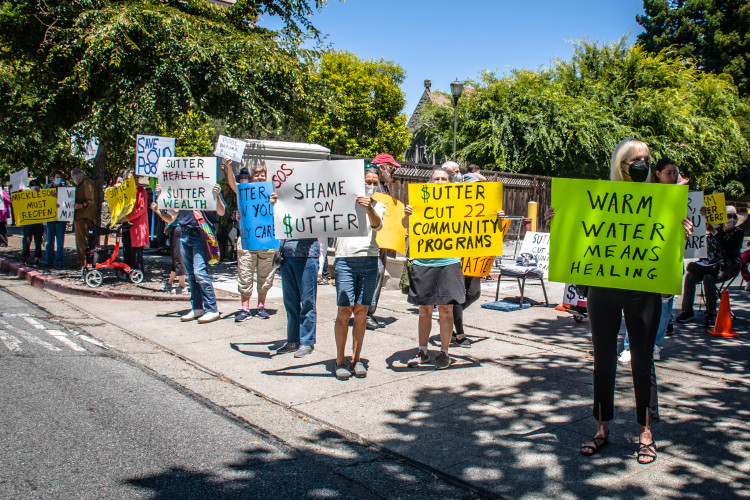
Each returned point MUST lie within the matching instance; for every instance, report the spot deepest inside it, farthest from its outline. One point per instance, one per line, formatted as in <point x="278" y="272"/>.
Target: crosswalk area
<point x="22" y="334"/>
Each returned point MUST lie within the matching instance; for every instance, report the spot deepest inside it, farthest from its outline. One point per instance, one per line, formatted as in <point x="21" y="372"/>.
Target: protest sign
<point x="537" y="244"/>
<point x="66" y="199"/>
<point x="481" y="266"/>
<point x="393" y="233"/>
<point x="626" y="235"/>
<point x="187" y="183"/>
<point x="228" y="147"/>
<point x="148" y="150"/>
<point x="455" y="220"/>
<point x="319" y="198"/>
<point x="716" y="209"/>
<point x="256" y="216"/>
<point x="695" y="244"/>
<point x="33" y="207"/>
<point x="19" y="180"/>
<point x="571" y="297"/>
<point x="121" y="200"/>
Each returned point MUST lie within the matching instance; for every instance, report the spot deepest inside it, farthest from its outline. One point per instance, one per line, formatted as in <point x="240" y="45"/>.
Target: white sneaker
<point x="209" y="317"/>
<point x="624" y="356"/>
<point x="194" y="314"/>
<point x="657" y="353"/>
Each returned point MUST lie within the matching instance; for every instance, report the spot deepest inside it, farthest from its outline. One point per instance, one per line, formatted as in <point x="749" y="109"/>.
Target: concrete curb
<point x="45" y="282"/>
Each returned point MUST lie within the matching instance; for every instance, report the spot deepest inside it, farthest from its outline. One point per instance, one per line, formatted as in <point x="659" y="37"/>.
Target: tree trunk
<point x="100" y="177"/>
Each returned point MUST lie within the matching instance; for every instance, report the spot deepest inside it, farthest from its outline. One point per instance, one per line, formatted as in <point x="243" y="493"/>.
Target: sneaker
<point x="419" y="359"/>
<point x="442" y="361"/>
<point x="657" y="353"/>
<point x="359" y="370"/>
<point x="670" y="328"/>
<point x="710" y="320"/>
<point x="464" y="342"/>
<point x="179" y="290"/>
<point x="242" y="316"/>
<point x="342" y="373"/>
<point x="304" y="350"/>
<point x="436" y="313"/>
<point x="624" y="356"/>
<point x="194" y="314"/>
<point x="168" y="287"/>
<point x="371" y="324"/>
<point x="209" y="317"/>
<point x="262" y="313"/>
<point x="287" y="347"/>
<point x="381" y="324"/>
<point x="684" y="317"/>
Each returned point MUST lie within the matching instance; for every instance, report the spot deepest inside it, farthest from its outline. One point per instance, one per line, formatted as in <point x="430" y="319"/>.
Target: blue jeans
<point x="299" y="284"/>
<point x="666" y="312"/>
<point x="55" y="236"/>
<point x="356" y="278"/>
<point x="194" y="259"/>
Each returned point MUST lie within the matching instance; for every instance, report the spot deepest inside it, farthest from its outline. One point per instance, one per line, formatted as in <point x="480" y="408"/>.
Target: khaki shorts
<point x="254" y="265"/>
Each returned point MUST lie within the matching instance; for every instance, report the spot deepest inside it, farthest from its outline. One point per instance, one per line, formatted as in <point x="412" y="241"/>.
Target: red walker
<point x="105" y="257"/>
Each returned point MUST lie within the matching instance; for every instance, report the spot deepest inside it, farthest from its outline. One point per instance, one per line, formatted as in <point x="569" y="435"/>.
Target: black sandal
<point x="646" y="453"/>
<point x="598" y="443"/>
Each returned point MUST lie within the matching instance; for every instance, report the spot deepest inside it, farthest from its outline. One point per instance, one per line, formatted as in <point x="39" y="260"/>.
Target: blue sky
<point x="442" y="41"/>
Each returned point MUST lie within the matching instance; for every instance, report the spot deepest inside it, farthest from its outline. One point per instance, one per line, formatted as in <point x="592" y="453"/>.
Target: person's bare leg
<point x="341" y="329"/>
<point x="262" y="298"/>
<point x="358" y="330"/>
<point x="602" y="434"/>
<point x="446" y="325"/>
<point x="648" y="453"/>
<point x="170" y="280"/>
<point x="425" y="324"/>
<point x="245" y="302"/>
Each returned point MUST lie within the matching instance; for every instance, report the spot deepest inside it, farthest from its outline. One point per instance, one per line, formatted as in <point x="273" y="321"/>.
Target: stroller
<point x="104" y="257"/>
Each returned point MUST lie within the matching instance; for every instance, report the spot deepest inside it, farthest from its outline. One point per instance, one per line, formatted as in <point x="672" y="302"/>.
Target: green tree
<point x="361" y="115"/>
<point x="566" y="120"/>
<point x="713" y="33"/>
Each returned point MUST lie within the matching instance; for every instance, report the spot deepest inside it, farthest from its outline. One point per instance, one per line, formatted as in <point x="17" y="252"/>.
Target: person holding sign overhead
<point x="356" y="272"/>
<point x="435" y="282"/>
<point x="641" y="309"/>
<point x="195" y="257"/>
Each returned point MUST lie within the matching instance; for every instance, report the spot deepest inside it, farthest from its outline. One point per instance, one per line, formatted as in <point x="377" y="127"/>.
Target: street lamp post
<point x="456" y="89"/>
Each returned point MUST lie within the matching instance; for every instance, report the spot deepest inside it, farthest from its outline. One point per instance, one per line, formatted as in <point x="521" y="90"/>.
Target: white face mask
<point x="244" y="180"/>
<point x="369" y="190"/>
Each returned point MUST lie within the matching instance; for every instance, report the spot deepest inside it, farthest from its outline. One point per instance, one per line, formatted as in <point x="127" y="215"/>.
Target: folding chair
<point x="521" y="273"/>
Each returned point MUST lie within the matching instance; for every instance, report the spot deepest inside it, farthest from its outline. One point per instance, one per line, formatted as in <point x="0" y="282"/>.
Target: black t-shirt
<point x="187" y="220"/>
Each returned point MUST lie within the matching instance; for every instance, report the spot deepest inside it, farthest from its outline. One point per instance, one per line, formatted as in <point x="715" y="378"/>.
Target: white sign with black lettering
<point x="537" y="244"/>
<point x="695" y="244"/>
<point x="187" y="183"/>
<point x="66" y="199"/>
<point x="226" y="147"/>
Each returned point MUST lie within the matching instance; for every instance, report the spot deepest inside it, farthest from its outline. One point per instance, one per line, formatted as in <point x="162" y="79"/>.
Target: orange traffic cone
<point x="723" y="327"/>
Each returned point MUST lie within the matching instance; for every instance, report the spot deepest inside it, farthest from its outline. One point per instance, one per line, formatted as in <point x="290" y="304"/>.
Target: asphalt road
<point x="79" y="421"/>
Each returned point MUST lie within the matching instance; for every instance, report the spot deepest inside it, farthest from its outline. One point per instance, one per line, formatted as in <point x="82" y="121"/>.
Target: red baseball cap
<point x="385" y="158"/>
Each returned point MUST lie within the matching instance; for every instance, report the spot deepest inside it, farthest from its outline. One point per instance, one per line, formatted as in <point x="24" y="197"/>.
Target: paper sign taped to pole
<point x="33" y="207"/>
<point x="393" y="233"/>
<point x="626" y="235"/>
<point x="319" y="198"/>
<point x="226" y="147"/>
<point x="716" y="209"/>
<point x="187" y="183"/>
<point x="148" y="150"/>
<point x="66" y="199"/>
<point x="19" y="180"/>
<point x="256" y="216"/>
<point x="121" y="200"/>
<point x="695" y="244"/>
<point x="455" y="220"/>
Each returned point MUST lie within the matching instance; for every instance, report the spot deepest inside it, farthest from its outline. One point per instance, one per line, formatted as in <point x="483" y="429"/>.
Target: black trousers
<point x="710" y="276"/>
<point x="473" y="286"/>
<point x="642" y="311"/>
<point x="32" y="232"/>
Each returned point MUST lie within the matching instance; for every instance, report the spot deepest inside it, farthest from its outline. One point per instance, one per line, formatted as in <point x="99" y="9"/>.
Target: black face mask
<point x="638" y="170"/>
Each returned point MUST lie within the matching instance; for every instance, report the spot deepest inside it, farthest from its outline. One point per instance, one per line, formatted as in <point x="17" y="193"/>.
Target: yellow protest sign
<point x="393" y="233"/>
<point x="33" y="207"/>
<point x="481" y="266"/>
<point x="455" y="220"/>
<point x="716" y="209"/>
<point x="121" y="200"/>
<point x="626" y="235"/>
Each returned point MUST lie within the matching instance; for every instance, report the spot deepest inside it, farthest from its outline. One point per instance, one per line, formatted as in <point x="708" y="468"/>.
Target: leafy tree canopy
<point x="713" y="33"/>
<point x="363" y="102"/>
<point x="566" y="120"/>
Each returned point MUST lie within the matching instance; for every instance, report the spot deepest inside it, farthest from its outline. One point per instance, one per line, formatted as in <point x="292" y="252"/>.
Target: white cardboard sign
<point x="537" y="244"/>
<point x="187" y="183"/>
<point x="19" y="180"/>
<point x="228" y="147"/>
<point x="318" y="198"/>
<point x="148" y="150"/>
<point x="695" y="244"/>
<point x="66" y="198"/>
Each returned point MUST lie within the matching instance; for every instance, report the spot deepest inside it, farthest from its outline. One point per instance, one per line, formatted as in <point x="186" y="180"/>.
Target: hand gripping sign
<point x="626" y="235"/>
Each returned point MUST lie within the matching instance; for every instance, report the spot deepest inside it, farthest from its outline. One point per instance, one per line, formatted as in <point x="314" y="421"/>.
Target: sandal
<point x="646" y="453"/>
<point x="322" y="281"/>
<point x="591" y="449"/>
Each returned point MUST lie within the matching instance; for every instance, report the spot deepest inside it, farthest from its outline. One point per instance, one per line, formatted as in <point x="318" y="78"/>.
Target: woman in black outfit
<point x="642" y="310"/>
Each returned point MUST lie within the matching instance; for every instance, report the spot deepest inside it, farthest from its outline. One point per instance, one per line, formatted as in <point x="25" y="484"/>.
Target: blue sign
<point x="256" y="216"/>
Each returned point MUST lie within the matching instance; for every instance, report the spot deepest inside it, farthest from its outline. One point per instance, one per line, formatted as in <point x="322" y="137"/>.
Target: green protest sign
<point x="625" y="235"/>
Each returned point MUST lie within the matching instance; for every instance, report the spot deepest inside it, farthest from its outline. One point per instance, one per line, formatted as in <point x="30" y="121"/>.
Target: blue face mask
<point x="58" y="181"/>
